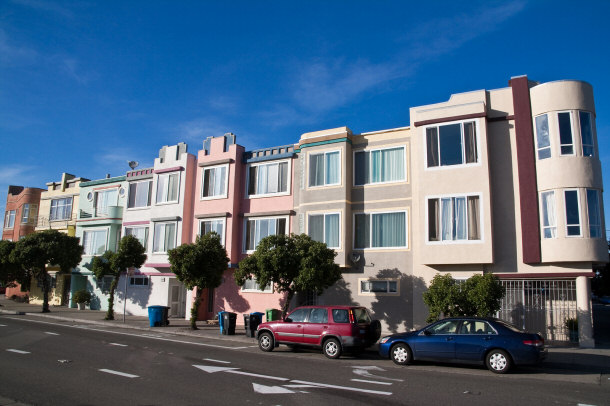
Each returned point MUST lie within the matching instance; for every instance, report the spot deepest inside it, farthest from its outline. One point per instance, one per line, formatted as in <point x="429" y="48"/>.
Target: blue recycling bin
<point x="156" y="315"/>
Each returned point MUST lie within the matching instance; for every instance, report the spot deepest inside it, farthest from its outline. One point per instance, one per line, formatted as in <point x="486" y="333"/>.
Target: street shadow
<point x="395" y="310"/>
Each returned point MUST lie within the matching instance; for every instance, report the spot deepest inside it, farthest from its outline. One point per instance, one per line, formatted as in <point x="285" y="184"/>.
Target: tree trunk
<point x="45" y="292"/>
<point x="113" y="285"/>
<point x="195" y="311"/>
<point x="289" y="297"/>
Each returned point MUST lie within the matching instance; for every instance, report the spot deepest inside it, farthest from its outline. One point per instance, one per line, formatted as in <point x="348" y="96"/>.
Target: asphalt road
<point x="46" y="363"/>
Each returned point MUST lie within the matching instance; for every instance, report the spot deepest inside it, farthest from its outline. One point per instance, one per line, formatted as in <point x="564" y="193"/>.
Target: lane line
<point x="18" y="351"/>
<point x="2" y="325"/>
<point x="216" y="360"/>
<point x="51" y="333"/>
<point x="110" y="371"/>
<point x="118" y="345"/>
<point x="374" y="382"/>
<point x="324" y="385"/>
<point x="277" y="378"/>
<point x="84" y="327"/>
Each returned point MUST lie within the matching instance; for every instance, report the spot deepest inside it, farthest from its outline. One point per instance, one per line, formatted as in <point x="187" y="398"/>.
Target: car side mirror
<point x="288" y="320"/>
<point x="427" y="333"/>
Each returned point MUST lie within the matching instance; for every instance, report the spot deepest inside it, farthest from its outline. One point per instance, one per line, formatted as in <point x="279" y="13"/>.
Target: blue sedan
<point x="497" y="344"/>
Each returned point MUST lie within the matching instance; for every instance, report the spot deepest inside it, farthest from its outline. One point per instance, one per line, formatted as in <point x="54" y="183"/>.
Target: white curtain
<point x="446" y="220"/>
<point x="161" y="188"/>
<point x="460" y="218"/>
<point x="331" y="230"/>
<point x="388" y="230"/>
<point x="316" y="170"/>
<point x="316" y="227"/>
<point x="332" y="168"/>
<point x="548" y="215"/>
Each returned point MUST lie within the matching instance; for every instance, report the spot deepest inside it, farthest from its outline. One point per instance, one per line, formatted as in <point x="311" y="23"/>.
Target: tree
<point x="199" y="265"/>
<point x="10" y="272"/>
<point x="293" y="264"/>
<point x="479" y="295"/>
<point x="49" y="247"/>
<point x="129" y="255"/>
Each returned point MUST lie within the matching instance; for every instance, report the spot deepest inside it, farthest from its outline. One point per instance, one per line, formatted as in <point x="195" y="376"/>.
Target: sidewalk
<point x="590" y="361"/>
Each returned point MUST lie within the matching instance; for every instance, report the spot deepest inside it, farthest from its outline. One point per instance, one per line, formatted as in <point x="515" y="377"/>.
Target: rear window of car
<point x="361" y="315"/>
<point x="340" y="316"/>
<point x="509" y="326"/>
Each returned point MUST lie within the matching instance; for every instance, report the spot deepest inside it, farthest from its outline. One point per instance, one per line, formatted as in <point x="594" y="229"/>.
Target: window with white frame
<point x="594" y="213"/>
<point x="547" y="209"/>
<point x="325" y="228"/>
<point x="104" y="283"/>
<point x="29" y="213"/>
<point x="380" y="230"/>
<point x="214" y="183"/>
<point x="379" y="166"/>
<point x="251" y="285"/>
<point x="566" y="140"/>
<point x="140" y="232"/>
<point x="9" y="219"/>
<point x="167" y="187"/>
<point x="325" y="168"/>
<point x="451" y="144"/>
<point x="217" y="225"/>
<point x="543" y="140"/>
<point x="572" y="205"/>
<point x="61" y="209"/>
<point x="105" y="199"/>
<point x="140" y="194"/>
<point x="165" y="237"/>
<point x="268" y="178"/>
<point x="138" y="281"/>
<point x="94" y="242"/>
<point x="258" y="228"/>
<point x="373" y="286"/>
<point x="454" y="218"/>
<point x="586" y="133"/>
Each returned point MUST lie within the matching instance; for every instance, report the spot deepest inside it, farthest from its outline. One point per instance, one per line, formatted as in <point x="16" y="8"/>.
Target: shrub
<point x="82" y="296"/>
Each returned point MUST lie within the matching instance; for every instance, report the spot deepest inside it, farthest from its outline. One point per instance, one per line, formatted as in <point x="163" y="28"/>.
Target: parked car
<point x="333" y="328"/>
<point x="493" y="342"/>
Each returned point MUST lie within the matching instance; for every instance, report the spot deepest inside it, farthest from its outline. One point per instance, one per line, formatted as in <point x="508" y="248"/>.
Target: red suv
<point x="334" y="328"/>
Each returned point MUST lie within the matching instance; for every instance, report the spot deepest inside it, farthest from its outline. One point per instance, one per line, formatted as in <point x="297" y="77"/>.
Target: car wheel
<point x="401" y="354"/>
<point x="265" y="341"/>
<point x="498" y="361"/>
<point x="332" y="348"/>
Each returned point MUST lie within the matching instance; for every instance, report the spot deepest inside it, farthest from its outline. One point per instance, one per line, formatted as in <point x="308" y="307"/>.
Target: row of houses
<point x="505" y="181"/>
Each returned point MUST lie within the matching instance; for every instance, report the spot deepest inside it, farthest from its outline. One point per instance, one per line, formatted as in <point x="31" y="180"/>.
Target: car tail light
<point x="535" y="343"/>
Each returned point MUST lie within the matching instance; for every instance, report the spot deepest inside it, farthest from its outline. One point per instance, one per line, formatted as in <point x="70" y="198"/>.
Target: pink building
<point x="244" y="197"/>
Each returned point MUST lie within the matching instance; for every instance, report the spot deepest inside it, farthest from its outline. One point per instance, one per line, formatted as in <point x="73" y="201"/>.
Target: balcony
<point x="109" y="212"/>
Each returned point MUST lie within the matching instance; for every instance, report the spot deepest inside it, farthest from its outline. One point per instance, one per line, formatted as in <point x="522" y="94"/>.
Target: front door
<point x="177" y="299"/>
<point x="437" y="342"/>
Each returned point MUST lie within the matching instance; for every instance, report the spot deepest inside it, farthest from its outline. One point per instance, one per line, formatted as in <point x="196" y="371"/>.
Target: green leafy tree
<point x="293" y="264"/>
<point x="49" y="247"/>
<point x="199" y="265"/>
<point x="10" y="272"/>
<point x="129" y="255"/>
<point x="479" y="295"/>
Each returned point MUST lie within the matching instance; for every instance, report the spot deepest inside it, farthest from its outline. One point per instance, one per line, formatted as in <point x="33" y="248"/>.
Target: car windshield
<point x="361" y="315"/>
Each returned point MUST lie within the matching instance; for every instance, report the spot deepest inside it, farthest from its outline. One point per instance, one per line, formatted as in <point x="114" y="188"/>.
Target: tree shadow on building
<point x="397" y="310"/>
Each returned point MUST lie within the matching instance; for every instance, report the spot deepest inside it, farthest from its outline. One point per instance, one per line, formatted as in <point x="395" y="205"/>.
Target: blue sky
<point x="86" y="86"/>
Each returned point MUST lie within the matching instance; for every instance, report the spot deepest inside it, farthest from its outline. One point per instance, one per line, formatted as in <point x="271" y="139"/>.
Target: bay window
<point x="9" y="219"/>
<point x="325" y="168"/>
<point x="214" y="182"/>
<point x="325" y="228"/>
<point x="454" y="218"/>
<point x="104" y="199"/>
<point x="565" y="133"/>
<point x="94" y="242"/>
<point x="167" y="187"/>
<point x="543" y="140"/>
<point x="61" y="209"/>
<point x="594" y="212"/>
<point x="141" y="233"/>
<point x="586" y="133"/>
<point x="216" y="225"/>
<point x="379" y="166"/>
<point x="165" y="237"/>
<point x="451" y="144"/>
<point x="572" y="206"/>
<point x="29" y="213"/>
<point x="380" y="230"/>
<point x="139" y="194"/>
<point x="268" y="178"/>
<point x="547" y="206"/>
<point x="258" y="228"/>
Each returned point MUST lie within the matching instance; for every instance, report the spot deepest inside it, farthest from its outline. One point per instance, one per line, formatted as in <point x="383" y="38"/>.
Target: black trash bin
<point x="247" y="325"/>
<point x="228" y="323"/>
<point x="256" y="318"/>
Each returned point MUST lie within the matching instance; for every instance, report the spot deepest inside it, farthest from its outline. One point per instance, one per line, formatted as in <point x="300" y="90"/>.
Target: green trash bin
<point x="273" y="314"/>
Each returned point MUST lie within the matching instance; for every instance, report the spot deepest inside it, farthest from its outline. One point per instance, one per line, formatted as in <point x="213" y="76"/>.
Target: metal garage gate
<point x="540" y="306"/>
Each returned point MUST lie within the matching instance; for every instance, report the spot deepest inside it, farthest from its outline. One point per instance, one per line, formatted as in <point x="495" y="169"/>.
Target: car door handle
<point x="449" y="338"/>
<point x="487" y="338"/>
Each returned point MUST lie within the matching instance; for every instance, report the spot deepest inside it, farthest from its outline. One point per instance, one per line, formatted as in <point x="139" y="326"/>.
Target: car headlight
<point x="384" y="339"/>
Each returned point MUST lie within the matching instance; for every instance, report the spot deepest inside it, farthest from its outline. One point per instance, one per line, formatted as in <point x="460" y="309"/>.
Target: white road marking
<point x="110" y="371"/>
<point x="324" y="385"/>
<point x="374" y="382"/>
<point x="216" y="360"/>
<point x="300" y="386"/>
<point x="18" y="351"/>
<point x="365" y="373"/>
<point x="269" y="389"/>
<point x="118" y="345"/>
<point x="2" y="325"/>
<point x="138" y="335"/>
<point x="51" y="333"/>
<point x="211" y="370"/>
